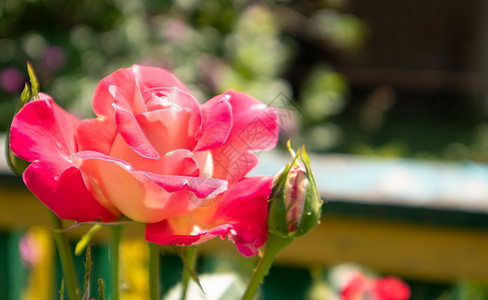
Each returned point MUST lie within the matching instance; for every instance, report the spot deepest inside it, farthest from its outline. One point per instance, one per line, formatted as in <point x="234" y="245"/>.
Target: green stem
<point x="153" y="271"/>
<point x="191" y="258"/>
<point x="86" y="239"/>
<point x="273" y="246"/>
<point x="116" y="234"/>
<point x="65" y="257"/>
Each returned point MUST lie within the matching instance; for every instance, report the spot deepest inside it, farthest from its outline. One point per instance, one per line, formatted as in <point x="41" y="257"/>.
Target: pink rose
<point x="155" y="155"/>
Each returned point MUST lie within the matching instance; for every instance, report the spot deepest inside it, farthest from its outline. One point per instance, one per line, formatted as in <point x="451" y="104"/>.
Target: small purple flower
<point x="54" y="57"/>
<point x="12" y="80"/>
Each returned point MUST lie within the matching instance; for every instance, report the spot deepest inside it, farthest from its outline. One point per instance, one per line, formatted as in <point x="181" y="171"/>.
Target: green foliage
<point x="61" y="290"/>
<point x="211" y="45"/>
<point x="263" y="48"/>
<point x="266" y="49"/>
<point x="86" y="239"/>
<point x="101" y="289"/>
<point x="24" y="97"/>
<point x="468" y="290"/>
<point x="186" y="255"/>
<point x="34" y="83"/>
<point x="88" y="268"/>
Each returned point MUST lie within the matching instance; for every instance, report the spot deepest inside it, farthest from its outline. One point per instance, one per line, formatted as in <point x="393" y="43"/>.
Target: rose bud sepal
<point x="30" y="92"/>
<point x="16" y="164"/>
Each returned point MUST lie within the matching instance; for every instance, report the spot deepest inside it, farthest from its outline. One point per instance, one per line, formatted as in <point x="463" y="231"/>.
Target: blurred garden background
<point x="363" y="84"/>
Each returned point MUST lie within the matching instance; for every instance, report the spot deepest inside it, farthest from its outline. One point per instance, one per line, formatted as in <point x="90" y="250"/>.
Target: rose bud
<point x="295" y="206"/>
<point x="294" y="209"/>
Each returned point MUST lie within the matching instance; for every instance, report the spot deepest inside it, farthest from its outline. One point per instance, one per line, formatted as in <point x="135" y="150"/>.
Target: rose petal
<point x="182" y="231"/>
<point x="166" y="129"/>
<point x="129" y="128"/>
<point x="139" y="199"/>
<point x="159" y="98"/>
<point x="200" y="186"/>
<point x="104" y="138"/>
<point x="217" y="123"/>
<point x="177" y="162"/>
<point x="240" y="213"/>
<point x="125" y="85"/>
<point x="232" y="163"/>
<point x="255" y="128"/>
<point x="43" y="133"/>
<point x="42" y="130"/>
<point x="125" y="79"/>
<point x="204" y="161"/>
<point x="64" y="192"/>
<point x="255" y="124"/>
<point x="143" y="196"/>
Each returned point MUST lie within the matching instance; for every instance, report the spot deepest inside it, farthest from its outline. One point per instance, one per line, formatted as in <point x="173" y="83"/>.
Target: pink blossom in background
<point x="12" y="80"/>
<point x="175" y="31"/>
<point x="155" y="155"/>
<point x="54" y="57"/>
<point x="392" y="288"/>
<point x="360" y="287"/>
<point x="30" y="250"/>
